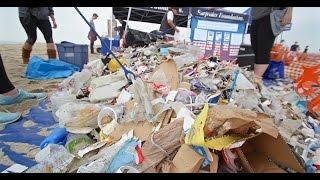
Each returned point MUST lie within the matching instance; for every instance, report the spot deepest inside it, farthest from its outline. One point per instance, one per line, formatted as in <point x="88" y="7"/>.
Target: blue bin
<point x="76" y="54"/>
<point x="115" y="43"/>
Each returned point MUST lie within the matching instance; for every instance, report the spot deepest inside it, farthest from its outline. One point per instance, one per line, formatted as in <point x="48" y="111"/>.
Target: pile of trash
<point x="180" y="114"/>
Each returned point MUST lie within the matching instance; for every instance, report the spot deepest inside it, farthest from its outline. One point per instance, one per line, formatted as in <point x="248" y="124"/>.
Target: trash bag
<point x="41" y="69"/>
<point x="275" y="70"/>
<point x="136" y="38"/>
<point x="155" y="35"/>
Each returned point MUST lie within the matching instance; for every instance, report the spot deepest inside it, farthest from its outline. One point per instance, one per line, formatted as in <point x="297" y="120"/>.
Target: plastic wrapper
<point x="56" y="156"/>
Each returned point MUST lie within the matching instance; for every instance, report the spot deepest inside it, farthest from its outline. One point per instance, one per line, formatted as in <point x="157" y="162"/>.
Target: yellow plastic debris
<point x="114" y="66"/>
<point x="196" y="134"/>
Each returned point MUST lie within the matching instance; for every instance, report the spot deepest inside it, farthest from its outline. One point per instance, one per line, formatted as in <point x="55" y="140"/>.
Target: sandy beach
<point x="11" y="56"/>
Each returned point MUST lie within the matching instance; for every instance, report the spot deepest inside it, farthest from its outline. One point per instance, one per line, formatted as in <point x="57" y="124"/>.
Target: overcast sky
<point x="71" y="27"/>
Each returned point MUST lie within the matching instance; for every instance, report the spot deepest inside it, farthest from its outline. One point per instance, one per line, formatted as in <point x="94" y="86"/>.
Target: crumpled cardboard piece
<point x="257" y="150"/>
<point x="222" y="119"/>
<point x="224" y="126"/>
<point x="186" y="160"/>
<point x="142" y="130"/>
<point x="168" y="138"/>
<point x="167" y="74"/>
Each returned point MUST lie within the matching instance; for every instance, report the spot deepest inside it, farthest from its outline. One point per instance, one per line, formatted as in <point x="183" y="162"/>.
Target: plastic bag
<point x="60" y="98"/>
<point x="56" y="156"/>
<point x="76" y="81"/>
<point x="107" y="92"/>
<point x="275" y="70"/>
<point x="107" y="79"/>
<point x="142" y="97"/>
<point x="78" y="115"/>
<point x="96" y="67"/>
<point x="184" y="60"/>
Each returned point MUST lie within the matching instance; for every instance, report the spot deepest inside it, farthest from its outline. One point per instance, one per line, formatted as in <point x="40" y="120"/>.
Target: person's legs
<point x="30" y="28"/>
<point x="92" y="46"/>
<point x="264" y="42"/>
<point x="45" y="28"/>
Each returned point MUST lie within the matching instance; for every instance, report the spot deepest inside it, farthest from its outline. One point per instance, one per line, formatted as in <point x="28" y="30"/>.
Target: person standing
<point x="306" y="49"/>
<point x="264" y="29"/>
<point x="168" y="23"/>
<point x="92" y="36"/>
<point x="294" y="47"/>
<point x="32" y="18"/>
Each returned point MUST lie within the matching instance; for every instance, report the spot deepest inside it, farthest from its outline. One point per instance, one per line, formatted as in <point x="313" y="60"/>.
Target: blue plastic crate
<point x="115" y="43"/>
<point x="76" y="54"/>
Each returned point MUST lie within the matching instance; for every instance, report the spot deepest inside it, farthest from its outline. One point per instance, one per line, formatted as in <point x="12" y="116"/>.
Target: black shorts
<point x="262" y="39"/>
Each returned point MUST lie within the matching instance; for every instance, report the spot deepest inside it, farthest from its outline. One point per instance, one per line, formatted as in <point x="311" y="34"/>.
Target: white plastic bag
<point x="107" y="79"/>
<point x="82" y="114"/>
<point x="76" y="81"/>
<point x="96" y="67"/>
<point x="56" y="156"/>
<point x="107" y="92"/>
<point x="60" y="98"/>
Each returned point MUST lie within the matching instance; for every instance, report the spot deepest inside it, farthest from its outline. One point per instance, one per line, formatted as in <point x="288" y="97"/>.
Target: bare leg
<point x="259" y="70"/>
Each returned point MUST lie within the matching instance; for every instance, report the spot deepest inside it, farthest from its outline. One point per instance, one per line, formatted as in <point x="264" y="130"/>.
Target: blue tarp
<point x="41" y="69"/>
<point x="15" y="132"/>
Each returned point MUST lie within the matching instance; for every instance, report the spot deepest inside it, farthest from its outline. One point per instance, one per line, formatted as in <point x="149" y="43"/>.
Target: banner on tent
<point x="218" y="14"/>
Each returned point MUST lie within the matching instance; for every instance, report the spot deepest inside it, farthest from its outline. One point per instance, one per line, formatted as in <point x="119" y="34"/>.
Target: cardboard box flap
<point x="167" y="73"/>
<point x="277" y="150"/>
<point x="187" y="160"/>
<point x="260" y="164"/>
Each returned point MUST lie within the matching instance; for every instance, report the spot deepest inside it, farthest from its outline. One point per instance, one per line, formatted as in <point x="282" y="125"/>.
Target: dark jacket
<point x="41" y="13"/>
<point x="165" y="27"/>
